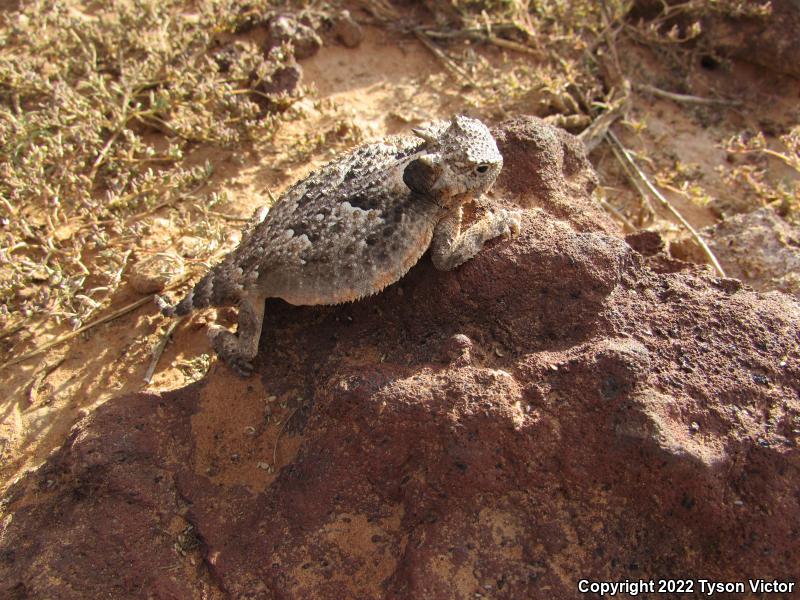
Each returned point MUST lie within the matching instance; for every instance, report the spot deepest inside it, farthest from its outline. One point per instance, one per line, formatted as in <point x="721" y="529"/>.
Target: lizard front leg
<point x="239" y="349"/>
<point x="450" y="247"/>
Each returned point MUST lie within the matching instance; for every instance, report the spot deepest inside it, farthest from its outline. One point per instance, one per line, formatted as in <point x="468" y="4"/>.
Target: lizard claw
<point x="226" y="345"/>
<point x="242" y="368"/>
<point x="511" y="221"/>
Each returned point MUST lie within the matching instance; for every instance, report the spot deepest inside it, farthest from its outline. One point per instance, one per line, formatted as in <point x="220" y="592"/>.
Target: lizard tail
<point x="200" y="296"/>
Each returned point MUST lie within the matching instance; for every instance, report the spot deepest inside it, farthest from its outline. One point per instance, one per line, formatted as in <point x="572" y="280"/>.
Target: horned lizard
<point x="355" y="226"/>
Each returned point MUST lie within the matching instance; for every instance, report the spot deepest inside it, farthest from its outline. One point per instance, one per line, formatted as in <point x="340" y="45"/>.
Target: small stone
<point x="190" y="246"/>
<point x="281" y="29"/>
<point x="346" y="30"/>
<point x="694" y="426"/>
<point x="283" y="80"/>
<point x="154" y="273"/>
<point x="458" y="348"/>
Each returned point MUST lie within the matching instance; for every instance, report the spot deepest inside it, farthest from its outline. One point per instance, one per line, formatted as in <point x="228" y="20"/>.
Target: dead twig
<point x="33" y="391"/>
<point x="226" y="217"/>
<point x="68" y="336"/>
<point x="624" y="156"/>
<point x="618" y="213"/>
<point x="684" y="98"/>
<point x="634" y="180"/>
<point x="381" y="10"/>
<point x="448" y="62"/>
<point x="593" y="135"/>
<point x="159" y="350"/>
<point x="12" y="330"/>
<point x="510" y="45"/>
<point x="101" y="156"/>
<point x="480" y="35"/>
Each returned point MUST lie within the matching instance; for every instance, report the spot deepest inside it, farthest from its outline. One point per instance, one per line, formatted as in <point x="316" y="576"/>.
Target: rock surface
<point x="560" y="407"/>
<point x="284" y="29"/>
<point x="346" y="30"/>
<point x="757" y="247"/>
<point x="771" y="42"/>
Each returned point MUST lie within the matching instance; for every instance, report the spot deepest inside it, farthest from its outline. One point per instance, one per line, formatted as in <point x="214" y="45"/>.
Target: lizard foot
<point x="509" y="222"/>
<point x="227" y="347"/>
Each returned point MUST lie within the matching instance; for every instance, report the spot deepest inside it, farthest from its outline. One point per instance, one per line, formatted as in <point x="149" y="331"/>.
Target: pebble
<point x="154" y="273"/>
<point x="346" y="30"/>
<point x="190" y="246"/>
<point x="282" y="29"/>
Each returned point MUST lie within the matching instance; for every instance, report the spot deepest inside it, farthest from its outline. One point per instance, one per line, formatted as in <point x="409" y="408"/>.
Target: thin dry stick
<point x="479" y="35"/>
<point x="685" y="98"/>
<point x="631" y="175"/>
<point x="33" y="391"/>
<point x="101" y="157"/>
<point x="68" y="336"/>
<point x="12" y="330"/>
<point x="593" y="135"/>
<point x="624" y="155"/>
<point x="448" y="63"/>
<point x="509" y="44"/>
<point x="789" y="161"/>
<point x="380" y="9"/>
<point x="226" y="217"/>
<point x="159" y="350"/>
<point x="280" y="432"/>
<point x="618" y="213"/>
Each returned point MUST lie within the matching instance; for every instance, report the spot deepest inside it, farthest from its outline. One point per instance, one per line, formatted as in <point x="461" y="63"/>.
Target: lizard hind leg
<point x="239" y="349"/>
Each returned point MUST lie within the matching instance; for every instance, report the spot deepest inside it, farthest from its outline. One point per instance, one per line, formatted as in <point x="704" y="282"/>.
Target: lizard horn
<point x="425" y="133"/>
<point x="429" y="160"/>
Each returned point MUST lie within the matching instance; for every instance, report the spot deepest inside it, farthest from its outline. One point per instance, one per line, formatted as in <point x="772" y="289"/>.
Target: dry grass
<point x="101" y="110"/>
<point x="783" y="195"/>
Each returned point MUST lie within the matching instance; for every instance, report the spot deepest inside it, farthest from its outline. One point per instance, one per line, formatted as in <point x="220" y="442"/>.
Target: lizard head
<point x="460" y="161"/>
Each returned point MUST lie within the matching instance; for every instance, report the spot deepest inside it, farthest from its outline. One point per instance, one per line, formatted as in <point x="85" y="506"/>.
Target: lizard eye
<point x="481" y="168"/>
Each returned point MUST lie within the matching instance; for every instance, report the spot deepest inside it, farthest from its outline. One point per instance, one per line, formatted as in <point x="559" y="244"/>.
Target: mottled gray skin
<point x="355" y="226"/>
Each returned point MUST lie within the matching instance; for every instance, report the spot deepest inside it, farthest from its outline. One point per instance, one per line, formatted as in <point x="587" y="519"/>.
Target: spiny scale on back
<point x="355" y="226"/>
